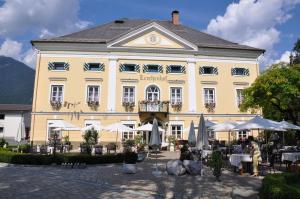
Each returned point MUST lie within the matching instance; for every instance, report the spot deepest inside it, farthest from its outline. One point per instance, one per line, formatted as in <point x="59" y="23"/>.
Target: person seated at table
<point x="255" y="153"/>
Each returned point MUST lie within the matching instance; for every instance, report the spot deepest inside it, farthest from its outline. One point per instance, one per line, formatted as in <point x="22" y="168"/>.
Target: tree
<point x="277" y="92"/>
<point x="295" y="56"/>
<point x="90" y="139"/>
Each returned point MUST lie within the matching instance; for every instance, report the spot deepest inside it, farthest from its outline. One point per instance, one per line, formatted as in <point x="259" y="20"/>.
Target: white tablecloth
<point x="237" y="159"/>
<point x="205" y="153"/>
<point x="292" y="157"/>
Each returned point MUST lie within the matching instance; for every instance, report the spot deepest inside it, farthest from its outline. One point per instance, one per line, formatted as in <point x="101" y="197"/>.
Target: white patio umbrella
<point x="207" y="124"/>
<point x="64" y="126"/>
<point x="118" y="127"/>
<point x="287" y="125"/>
<point x="227" y="126"/>
<point x="96" y="127"/>
<point x="192" y="136"/>
<point x="21" y="131"/>
<point x="155" y="142"/>
<point x="202" y="137"/>
<point x="259" y="123"/>
<point x="147" y="127"/>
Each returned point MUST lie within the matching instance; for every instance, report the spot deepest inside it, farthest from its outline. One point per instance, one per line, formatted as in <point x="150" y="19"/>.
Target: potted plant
<point x="172" y="142"/>
<point x="129" y="105"/>
<point x="216" y="163"/>
<point x="56" y="104"/>
<point x="176" y="106"/>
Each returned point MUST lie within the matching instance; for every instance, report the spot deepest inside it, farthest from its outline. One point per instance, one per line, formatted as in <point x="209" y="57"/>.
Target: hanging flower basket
<point x="210" y="106"/>
<point x="56" y="104"/>
<point x="176" y="106"/>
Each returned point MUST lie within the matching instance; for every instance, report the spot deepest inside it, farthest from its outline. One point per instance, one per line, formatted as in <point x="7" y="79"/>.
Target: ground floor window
<point x="128" y="135"/>
<point x="242" y="135"/>
<point x="176" y="131"/>
<point x="1" y="130"/>
<point x="52" y="132"/>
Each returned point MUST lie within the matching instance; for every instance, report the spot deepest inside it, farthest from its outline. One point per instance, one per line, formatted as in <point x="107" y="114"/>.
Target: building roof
<point x="15" y="107"/>
<point x="115" y="29"/>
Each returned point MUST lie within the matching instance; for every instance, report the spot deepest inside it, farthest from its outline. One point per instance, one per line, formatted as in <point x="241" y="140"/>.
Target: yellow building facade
<point x="131" y="71"/>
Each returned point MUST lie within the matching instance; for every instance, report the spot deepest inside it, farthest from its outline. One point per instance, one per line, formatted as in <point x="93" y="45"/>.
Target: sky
<point x="272" y="25"/>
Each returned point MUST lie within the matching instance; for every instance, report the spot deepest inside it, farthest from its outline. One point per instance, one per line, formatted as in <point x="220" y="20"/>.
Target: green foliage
<point x="130" y="157"/>
<point x="295" y="57"/>
<point x="3" y="142"/>
<point x="138" y="139"/>
<point x="185" y="154"/>
<point x="216" y="163"/>
<point x="37" y="159"/>
<point x="172" y="139"/>
<point x="90" y="139"/>
<point x="277" y="92"/>
<point x="283" y="185"/>
<point x="25" y="148"/>
<point x="67" y="140"/>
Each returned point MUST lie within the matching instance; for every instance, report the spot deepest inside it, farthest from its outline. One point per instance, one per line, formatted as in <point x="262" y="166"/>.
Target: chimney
<point x="175" y="17"/>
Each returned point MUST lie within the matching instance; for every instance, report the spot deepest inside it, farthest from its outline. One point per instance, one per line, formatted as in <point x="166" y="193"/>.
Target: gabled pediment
<point x="152" y="36"/>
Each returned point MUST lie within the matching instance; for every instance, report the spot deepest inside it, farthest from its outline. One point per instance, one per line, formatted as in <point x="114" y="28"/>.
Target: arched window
<point x="152" y="93"/>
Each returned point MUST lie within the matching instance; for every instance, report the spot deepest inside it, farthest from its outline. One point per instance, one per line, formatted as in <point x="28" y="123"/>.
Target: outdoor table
<point x="291" y="157"/>
<point x="237" y="160"/>
<point x="206" y="153"/>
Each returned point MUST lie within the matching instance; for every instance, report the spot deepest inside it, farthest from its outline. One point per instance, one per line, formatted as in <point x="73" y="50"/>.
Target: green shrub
<point x="38" y="159"/>
<point x="25" y="148"/>
<point x="283" y="185"/>
<point x="3" y="142"/>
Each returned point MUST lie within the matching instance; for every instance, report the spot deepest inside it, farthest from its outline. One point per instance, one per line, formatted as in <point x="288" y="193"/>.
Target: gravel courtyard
<point x="107" y="181"/>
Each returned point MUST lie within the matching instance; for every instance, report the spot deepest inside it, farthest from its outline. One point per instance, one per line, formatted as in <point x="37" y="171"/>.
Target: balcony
<point x="154" y="106"/>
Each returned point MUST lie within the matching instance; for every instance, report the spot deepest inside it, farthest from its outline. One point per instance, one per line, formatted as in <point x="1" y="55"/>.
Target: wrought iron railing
<point x="154" y="106"/>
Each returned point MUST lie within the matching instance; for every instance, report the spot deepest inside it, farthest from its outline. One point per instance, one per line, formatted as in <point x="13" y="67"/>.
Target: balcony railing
<point x="154" y="106"/>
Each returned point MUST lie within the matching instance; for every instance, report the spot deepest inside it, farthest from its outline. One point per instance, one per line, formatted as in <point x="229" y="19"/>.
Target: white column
<point x="112" y="84"/>
<point x="191" y="71"/>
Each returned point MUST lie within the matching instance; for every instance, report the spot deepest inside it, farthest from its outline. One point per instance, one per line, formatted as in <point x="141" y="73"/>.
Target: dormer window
<point x="129" y="68"/>
<point x="175" y="69"/>
<point x="58" y="66"/>
<point x="208" y="70"/>
<point x="93" y="67"/>
<point x="239" y="71"/>
<point x="152" y="68"/>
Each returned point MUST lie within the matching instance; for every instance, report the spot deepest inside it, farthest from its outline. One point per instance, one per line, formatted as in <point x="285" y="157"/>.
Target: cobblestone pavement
<point x="107" y="181"/>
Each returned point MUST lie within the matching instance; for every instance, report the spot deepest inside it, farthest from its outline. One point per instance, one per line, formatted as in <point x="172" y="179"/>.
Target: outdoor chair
<point x="264" y="166"/>
<point x="43" y="149"/>
<point x="111" y="147"/>
<point x="99" y="150"/>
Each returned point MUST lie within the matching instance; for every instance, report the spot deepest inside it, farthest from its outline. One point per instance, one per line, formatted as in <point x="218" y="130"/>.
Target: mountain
<point x="16" y="82"/>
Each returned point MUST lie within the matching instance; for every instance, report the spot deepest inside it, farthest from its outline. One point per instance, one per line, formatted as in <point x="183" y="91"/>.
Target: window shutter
<point x="182" y="69"/>
<point x="121" y="68"/>
<point x="101" y="67"/>
<point x="145" y="68"/>
<point x="201" y="70"/>
<point x="50" y="66"/>
<point x="86" y="67"/>
<point x="233" y="71"/>
<point x="137" y="68"/>
<point x="168" y="69"/>
<point x="160" y="69"/>
<point x="215" y="70"/>
<point x="66" y="66"/>
<point x="247" y="73"/>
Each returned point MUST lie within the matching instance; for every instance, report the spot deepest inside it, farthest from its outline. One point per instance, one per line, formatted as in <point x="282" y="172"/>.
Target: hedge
<point x="38" y="159"/>
<point x="281" y="185"/>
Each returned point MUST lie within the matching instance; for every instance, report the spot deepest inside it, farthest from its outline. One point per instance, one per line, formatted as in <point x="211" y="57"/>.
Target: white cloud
<point x="53" y="17"/>
<point x="40" y="18"/>
<point x="285" y="57"/>
<point x="253" y="23"/>
<point x="11" y="48"/>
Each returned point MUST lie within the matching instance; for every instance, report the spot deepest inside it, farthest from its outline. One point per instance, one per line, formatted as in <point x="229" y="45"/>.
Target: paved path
<point x="107" y="181"/>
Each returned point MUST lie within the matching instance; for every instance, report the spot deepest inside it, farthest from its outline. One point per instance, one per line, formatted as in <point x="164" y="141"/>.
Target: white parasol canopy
<point x="147" y="127"/>
<point x="96" y="127"/>
<point x="287" y="125"/>
<point x="224" y="126"/>
<point x="258" y="123"/>
<point x="118" y="127"/>
<point x="61" y="125"/>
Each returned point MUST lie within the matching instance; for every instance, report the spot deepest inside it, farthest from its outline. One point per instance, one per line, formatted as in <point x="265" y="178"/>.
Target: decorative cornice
<point x="57" y="78"/>
<point x="241" y="83"/>
<point x="176" y="81"/>
<point x="130" y="80"/>
<point x="94" y="79"/>
<point x="209" y="82"/>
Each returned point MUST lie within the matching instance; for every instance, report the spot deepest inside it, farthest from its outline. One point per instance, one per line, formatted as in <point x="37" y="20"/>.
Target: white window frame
<point x="237" y="97"/>
<point x="48" y="123"/>
<point x="181" y="131"/>
<point x="146" y="93"/>
<point x="181" y="93"/>
<point x="87" y="91"/>
<point x="133" y="123"/>
<point x="50" y="92"/>
<point x="215" y="94"/>
<point x="242" y="132"/>
<point x="134" y="93"/>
